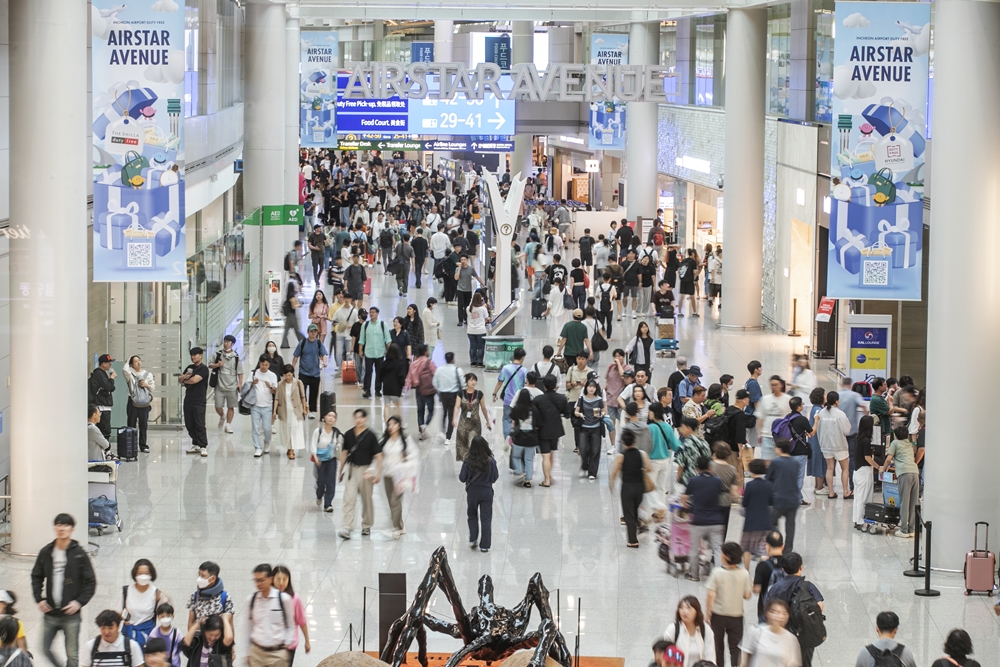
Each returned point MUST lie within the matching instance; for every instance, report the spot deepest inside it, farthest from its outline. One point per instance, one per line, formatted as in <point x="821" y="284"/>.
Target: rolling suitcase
<point x="538" y="307"/>
<point x="348" y="374"/>
<point x="128" y="444"/>
<point x="368" y="286"/>
<point x="980" y="565"/>
<point x="327" y="403"/>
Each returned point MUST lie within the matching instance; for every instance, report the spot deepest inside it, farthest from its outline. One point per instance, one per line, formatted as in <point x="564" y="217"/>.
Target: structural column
<point x="48" y="272"/>
<point x="292" y="93"/>
<point x="641" y="149"/>
<point x="960" y="481"/>
<point x="744" y="167"/>
<point x="523" y="43"/>
<point x="444" y="33"/>
<point x="264" y="123"/>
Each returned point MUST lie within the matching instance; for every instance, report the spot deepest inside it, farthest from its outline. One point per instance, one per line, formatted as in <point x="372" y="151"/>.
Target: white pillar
<point x="291" y="162"/>
<point x="641" y="146"/>
<point x="443" y="35"/>
<point x="523" y="44"/>
<point x="744" y="167"/>
<point x="264" y="122"/>
<point x="48" y="271"/>
<point x="960" y="328"/>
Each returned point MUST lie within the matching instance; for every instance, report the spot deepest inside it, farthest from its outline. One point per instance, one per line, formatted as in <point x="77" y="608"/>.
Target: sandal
<point x="526" y="485"/>
<point x="545" y="485"/>
<point x="832" y="496"/>
<point x="849" y="497"/>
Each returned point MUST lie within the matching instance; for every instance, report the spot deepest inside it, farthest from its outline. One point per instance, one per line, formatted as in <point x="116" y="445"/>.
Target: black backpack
<point x="886" y="658"/>
<point x="717" y="429"/>
<point x="606" y="299"/>
<point x="807" y="618"/>
<point x="385" y="238"/>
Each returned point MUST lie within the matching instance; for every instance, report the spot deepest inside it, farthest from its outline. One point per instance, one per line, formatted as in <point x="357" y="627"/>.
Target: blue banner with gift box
<point x="318" y="89"/>
<point x="607" y="117"/>
<point x="138" y="134"/>
<point x="880" y="102"/>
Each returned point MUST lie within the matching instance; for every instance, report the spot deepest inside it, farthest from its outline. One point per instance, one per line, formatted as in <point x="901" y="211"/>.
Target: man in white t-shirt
<point x="264" y="383"/>
<point x="433" y="218"/>
<point x="307" y="171"/>
<point x="770" y="407"/>
<point x="111" y="648"/>
<point x="546" y="367"/>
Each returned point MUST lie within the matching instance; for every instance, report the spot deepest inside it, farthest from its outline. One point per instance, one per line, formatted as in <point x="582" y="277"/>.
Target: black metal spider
<point x="490" y="632"/>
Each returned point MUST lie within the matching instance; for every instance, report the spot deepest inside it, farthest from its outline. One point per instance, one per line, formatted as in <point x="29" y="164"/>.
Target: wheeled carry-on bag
<point x="128" y="444"/>
<point x="538" y="307"/>
<point x="348" y="373"/>
<point x="327" y="403"/>
<point x="980" y="564"/>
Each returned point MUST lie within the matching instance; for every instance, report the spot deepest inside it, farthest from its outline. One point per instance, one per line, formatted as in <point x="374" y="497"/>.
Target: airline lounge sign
<point x="563" y="82"/>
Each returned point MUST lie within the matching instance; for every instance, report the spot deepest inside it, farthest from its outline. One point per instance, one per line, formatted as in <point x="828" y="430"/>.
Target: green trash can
<point x="512" y="343"/>
<point x="496" y="353"/>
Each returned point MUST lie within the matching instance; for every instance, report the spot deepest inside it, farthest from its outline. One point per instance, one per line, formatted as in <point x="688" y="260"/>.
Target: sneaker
<point x="267" y="448"/>
<point x="204" y="452"/>
<point x="319" y="501"/>
<point x="194" y="449"/>
<point x="821" y="492"/>
<point x="378" y="394"/>
<point x="680" y="314"/>
<point x="144" y="450"/>
<point x="328" y="508"/>
<point x="312" y="415"/>
<point x="592" y="478"/>
<point x="343" y="534"/>
<point x="257" y="453"/>
<point x="396" y="534"/>
<point x="485" y="551"/>
<point x="229" y="428"/>
<point x="366" y="395"/>
<point x="222" y="422"/>
<point x="473" y="545"/>
<point x="366" y="531"/>
<point x="583" y="473"/>
<point x="611" y="451"/>
<point x="695" y="315"/>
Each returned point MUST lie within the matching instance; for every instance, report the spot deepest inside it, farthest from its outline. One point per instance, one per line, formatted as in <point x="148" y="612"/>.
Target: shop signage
<point x="869" y="352"/>
<point x="593" y="166"/>
<point x="421" y="52"/>
<point x="607" y="117"/>
<point x="825" y="311"/>
<point x="318" y="89"/>
<point x="562" y="82"/>
<point x="138" y="134"/>
<point x="876" y="214"/>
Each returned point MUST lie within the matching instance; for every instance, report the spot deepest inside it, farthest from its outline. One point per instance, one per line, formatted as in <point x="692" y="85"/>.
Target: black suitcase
<point x="128" y="444"/>
<point x="880" y="513"/>
<point x="327" y="403"/>
<point x="538" y="307"/>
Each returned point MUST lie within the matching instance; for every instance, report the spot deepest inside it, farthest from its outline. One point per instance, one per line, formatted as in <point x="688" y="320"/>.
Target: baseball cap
<point x="695" y="371"/>
<point x="230" y="337"/>
<point x="312" y="327"/>
<point x="104" y="358"/>
<point x="492" y="248"/>
<point x="629" y="373"/>
<point x="577" y="314"/>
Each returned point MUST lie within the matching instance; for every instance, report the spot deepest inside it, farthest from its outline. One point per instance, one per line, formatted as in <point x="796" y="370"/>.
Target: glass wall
<point x="779" y="57"/>
<point x="191" y="33"/>
<point x="709" y="67"/>
<point x="824" y="65"/>
<point x="229" y="74"/>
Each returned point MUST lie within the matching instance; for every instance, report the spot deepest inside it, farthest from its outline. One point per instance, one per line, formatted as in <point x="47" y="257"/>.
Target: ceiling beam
<point x="512" y="10"/>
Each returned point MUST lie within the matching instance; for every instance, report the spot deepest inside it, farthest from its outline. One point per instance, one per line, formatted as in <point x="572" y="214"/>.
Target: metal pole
<point x="927" y="591"/>
<point x="916" y="571"/>
<point x="794" y="333"/>
<point x="558" y="610"/>
<point x="364" y="619"/>
<point x="579" y="613"/>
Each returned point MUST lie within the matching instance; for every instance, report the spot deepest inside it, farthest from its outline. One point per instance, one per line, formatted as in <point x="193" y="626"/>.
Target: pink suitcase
<point x="680" y="541"/>
<point x="980" y="565"/>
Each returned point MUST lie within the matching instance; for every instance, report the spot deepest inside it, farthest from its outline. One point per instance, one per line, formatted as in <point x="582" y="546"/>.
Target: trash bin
<point x="496" y="353"/>
<point x="512" y="343"/>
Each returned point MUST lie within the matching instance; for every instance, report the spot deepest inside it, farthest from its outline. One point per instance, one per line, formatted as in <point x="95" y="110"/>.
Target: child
<point x="166" y="631"/>
<point x="479" y="473"/>
<point x="727" y="587"/>
<point x="155" y="653"/>
<point x="902" y="455"/>
<point x="757" y="512"/>
<point x="283" y="582"/>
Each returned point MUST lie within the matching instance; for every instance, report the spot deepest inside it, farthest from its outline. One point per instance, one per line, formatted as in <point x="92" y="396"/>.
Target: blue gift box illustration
<point x="157" y="210"/>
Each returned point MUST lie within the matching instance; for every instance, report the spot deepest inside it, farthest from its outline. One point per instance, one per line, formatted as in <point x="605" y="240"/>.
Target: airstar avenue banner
<point x="318" y="89"/>
<point x="880" y="99"/>
<point x="138" y="133"/>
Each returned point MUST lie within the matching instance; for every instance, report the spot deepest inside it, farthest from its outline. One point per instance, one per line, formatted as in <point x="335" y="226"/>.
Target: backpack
<point x="777" y="574"/>
<point x="281" y="606"/>
<point x="549" y="372"/>
<point x="385" y="238"/>
<point x="717" y="428"/>
<point x="781" y="429"/>
<point x="125" y="655"/>
<point x="806" y="621"/>
<point x="606" y="299"/>
<point x="886" y="658"/>
<point x="658" y="237"/>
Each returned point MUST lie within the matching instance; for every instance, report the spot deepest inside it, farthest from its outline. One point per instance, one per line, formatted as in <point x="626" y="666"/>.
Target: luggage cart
<point x="103" y="484"/>
<point x="884" y="516"/>
<point x="666" y="343"/>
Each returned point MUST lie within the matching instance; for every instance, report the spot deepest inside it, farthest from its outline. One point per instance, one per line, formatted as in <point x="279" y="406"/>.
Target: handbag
<point x="561" y="363"/>
<point x="598" y="342"/>
<point x="567" y="301"/>
<point x="132" y="169"/>
<point x="885" y="189"/>
<point x="213" y="379"/>
<point x="647" y="483"/>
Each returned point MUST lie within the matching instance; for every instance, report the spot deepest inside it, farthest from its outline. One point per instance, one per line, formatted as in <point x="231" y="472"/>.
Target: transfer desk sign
<point x="879" y="107"/>
<point x="138" y="135"/>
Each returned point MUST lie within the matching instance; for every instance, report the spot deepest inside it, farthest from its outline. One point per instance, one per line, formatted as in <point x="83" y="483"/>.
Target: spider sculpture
<point x="490" y="632"/>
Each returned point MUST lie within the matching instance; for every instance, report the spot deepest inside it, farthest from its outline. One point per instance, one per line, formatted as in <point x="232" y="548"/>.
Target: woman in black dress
<point x="631" y="464"/>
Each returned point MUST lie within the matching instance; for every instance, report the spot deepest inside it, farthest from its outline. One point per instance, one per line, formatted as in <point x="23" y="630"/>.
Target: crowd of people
<point x="684" y="446"/>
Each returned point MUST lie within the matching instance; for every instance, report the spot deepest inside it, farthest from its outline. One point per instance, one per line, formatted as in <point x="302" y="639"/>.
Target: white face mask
<point x="143" y="579"/>
<point x="165" y="621"/>
<point x="202" y="582"/>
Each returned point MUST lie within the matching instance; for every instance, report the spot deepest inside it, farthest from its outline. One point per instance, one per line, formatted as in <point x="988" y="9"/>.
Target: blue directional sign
<point x="469" y="144"/>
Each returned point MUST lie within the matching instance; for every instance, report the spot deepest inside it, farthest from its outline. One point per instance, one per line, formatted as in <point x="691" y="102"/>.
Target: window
<point x="824" y="66"/>
<point x="779" y="56"/>
<point x="191" y="34"/>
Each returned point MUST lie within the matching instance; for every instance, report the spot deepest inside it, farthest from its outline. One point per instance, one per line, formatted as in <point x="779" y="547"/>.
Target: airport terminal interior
<point x="694" y="219"/>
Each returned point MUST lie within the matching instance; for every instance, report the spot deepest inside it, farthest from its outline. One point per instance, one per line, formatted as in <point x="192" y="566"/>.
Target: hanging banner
<point x="498" y="50"/>
<point x="138" y="134"/>
<point x="421" y="52"/>
<point x="607" y="117"/>
<point x="879" y="101"/>
<point x="318" y="89"/>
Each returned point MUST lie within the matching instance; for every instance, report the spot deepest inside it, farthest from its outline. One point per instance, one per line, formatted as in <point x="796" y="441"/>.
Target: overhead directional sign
<point x="379" y="145"/>
<point x="470" y="145"/>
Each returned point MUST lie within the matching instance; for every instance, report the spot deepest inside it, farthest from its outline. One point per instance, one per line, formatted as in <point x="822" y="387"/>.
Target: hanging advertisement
<point x="138" y="153"/>
<point x="607" y="117"/>
<point x="318" y="89"/>
<point x="421" y="52"/>
<point x="879" y="102"/>
<point x="498" y="50"/>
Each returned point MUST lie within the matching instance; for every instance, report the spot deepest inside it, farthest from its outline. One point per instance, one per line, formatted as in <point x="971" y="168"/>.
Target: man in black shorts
<point x="552" y="407"/>
<point x="586" y="249"/>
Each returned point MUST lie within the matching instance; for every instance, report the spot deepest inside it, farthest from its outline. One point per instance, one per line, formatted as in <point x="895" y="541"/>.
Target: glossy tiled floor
<point x="231" y="508"/>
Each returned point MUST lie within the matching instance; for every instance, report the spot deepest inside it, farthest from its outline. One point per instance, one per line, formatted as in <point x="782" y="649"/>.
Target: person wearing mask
<point x="111" y="646"/>
<point x="101" y="390"/>
<point x="140" y="385"/>
<point x="769" y="408"/>
<point x="372" y="344"/>
<point x="62" y="583"/>
<point x="207" y="638"/>
<point x="786" y="588"/>
<point x="832" y="426"/>
<point x="139" y="602"/>
<point x="728" y="586"/>
<point x="589" y="409"/>
<point x="885" y="649"/>
<point x="766" y="567"/>
<point x="289" y="410"/>
<point x="957" y="648"/>
<point x="783" y="473"/>
<point x="479" y="473"/>
<point x="552" y="407"/>
<point x="283" y="582"/>
<point x="271" y="350"/>
<point x="632" y="464"/>
<point x="325" y="446"/>
<point x="770" y="644"/>
<point x="721" y="468"/>
<point x="524" y="420"/>
<point x="98" y="448"/>
<point x="361" y="450"/>
<point x="195" y="381"/>
<point x="701" y="497"/>
<point x="864" y="474"/>
<point x="510" y="381"/>
<point x="269" y="628"/>
<point x="210" y="596"/>
<point x="901" y="454"/>
<point x="167" y="633"/>
<point x="690" y="633"/>
<point x="854" y="406"/>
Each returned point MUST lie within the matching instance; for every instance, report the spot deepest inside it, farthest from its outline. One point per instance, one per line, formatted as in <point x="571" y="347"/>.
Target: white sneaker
<point x="344" y="534"/>
<point x="257" y="453"/>
<point x="267" y="448"/>
<point x="319" y="502"/>
<point x="900" y="533"/>
<point x="274" y="430"/>
<point x="611" y="451"/>
<point x="222" y="422"/>
<point x="583" y="473"/>
<point x="204" y="452"/>
<point x="229" y="428"/>
<point x="396" y="534"/>
<point x="633" y="315"/>
<point x="194" y="449"/>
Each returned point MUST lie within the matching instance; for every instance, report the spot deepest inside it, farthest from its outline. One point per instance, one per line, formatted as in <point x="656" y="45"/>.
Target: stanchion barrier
<point x="927" y="591"/>
<point x="916" y="570"/>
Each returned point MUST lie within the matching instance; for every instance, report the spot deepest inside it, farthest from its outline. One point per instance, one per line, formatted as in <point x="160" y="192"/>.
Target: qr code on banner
<point x="138" y="256"/>
<point x="875" y="273"/>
